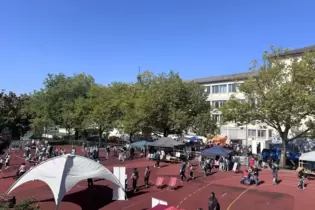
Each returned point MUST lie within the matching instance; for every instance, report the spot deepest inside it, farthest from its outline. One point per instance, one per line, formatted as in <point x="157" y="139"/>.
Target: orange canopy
<point x="220" y="139"/>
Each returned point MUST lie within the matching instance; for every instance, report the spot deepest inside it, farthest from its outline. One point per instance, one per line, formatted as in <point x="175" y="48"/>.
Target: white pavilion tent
<point x="63" y="172"/>
<point x="309" y="156"/>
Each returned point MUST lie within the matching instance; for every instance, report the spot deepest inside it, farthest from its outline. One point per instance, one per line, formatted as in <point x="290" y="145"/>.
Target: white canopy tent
<point x="309" y="156"/>
<point x="63" y="172"/>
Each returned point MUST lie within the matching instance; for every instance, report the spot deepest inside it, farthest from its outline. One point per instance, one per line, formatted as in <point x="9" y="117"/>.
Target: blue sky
<point x="110" y="39"/>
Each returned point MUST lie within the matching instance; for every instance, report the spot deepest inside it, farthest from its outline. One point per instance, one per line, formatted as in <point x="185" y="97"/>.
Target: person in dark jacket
<point x="135" y="177"/>
<point x="213" y="203"/>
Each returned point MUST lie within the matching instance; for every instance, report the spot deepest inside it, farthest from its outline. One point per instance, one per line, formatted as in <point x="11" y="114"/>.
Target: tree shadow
<point x="92" y="198"/>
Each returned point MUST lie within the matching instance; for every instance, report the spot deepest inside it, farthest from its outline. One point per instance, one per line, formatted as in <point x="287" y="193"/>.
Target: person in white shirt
<point x="7" y="162"/>
<point x="21" y="171"/>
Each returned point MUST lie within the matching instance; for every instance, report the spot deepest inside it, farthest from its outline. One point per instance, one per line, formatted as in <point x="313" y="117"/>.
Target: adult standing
<point x="275" y="169"/>
<point x="135" y="177"/>
<point x="183" y="171"/>
<point x="147" y="176"/>
<point x="213" y="203"/>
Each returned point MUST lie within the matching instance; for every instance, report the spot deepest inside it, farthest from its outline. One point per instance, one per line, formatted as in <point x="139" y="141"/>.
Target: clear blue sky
<point x="109" y="39"/>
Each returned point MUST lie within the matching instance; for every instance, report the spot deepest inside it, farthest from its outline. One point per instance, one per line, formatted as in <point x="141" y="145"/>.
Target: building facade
<point x="220" y="89"/>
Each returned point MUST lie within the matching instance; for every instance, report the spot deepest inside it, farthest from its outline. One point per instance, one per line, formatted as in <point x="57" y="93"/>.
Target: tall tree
<point x="132" y="118"/>
<point x="281" y="95"/>
<point x="12" y="115"/>
<point x="57" y="103"/>
<point x="170" y="104"/>
<point x="104" y="112"/>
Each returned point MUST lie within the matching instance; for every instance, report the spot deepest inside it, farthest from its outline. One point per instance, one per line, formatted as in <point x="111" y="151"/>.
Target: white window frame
<point x="220" y="88"/>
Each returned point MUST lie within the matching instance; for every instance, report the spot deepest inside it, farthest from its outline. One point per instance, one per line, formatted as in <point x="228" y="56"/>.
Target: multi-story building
<point x="221" y="88"/>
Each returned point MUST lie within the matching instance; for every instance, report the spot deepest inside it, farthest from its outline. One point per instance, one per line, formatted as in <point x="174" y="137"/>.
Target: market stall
<point x="216" y="151"/>
<point x="140" y="145"/>
<point x="221" y="140"/>
<point x="307" y="162"/>
<point x="166" y="146"/>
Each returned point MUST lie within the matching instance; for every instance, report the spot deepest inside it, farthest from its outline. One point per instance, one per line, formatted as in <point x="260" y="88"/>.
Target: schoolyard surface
<point x="189" y="195"/>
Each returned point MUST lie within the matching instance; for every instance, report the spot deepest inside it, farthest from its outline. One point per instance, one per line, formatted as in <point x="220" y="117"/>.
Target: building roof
<point x="225" y="78"/>
<point x="299" y="51"/>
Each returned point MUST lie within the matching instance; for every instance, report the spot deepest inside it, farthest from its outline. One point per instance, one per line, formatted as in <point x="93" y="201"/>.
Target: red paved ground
<point x="190" y="196"/>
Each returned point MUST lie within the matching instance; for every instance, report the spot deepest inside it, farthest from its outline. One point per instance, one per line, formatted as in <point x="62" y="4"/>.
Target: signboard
<point x="156" y="202"/>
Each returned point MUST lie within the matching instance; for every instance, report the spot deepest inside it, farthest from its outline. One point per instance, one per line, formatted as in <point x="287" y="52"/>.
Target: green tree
<point x="203" y="125"/>
<point x="132" y="118"/>
<point x="281" y="95"/>
<point x="104" y="112"/>
<point x="169" y="104"/>
<point x="12" y="114"/>
<point x="60" y="101"/>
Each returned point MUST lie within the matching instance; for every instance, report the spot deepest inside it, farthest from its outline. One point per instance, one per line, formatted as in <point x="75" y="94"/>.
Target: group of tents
<point x="165" y="142"/>
<point x="171" y="143"/>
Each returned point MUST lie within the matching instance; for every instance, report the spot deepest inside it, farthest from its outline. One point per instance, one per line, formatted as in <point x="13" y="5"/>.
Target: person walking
<point x="191" y="171"/>
<point x="135" y="177"/>
<point x="275" y="169"/>
<point x="213" y="203"/>
<point x="256" y="175"/>
<point x="301" y="179"/>
<point x="183" y="171"/>
<point x="147" y="176"/>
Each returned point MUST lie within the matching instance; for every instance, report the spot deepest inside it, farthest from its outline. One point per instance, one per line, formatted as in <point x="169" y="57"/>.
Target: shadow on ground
<point x="90" y="198"/>
<point x="93" y="198"/>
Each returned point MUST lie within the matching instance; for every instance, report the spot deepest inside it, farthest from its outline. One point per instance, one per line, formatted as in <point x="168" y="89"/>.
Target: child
<point x="191" y="172"/>
<point x="301" y="180"/>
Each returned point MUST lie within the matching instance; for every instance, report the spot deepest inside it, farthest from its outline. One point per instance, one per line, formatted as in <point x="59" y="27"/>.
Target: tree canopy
<point x="13" y="116"/>
<point x="280" y="94"/>
<point x="155" y="103"/>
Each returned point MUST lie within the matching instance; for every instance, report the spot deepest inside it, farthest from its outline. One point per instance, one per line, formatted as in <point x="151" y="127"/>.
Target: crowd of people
<point x="187" y="170"/>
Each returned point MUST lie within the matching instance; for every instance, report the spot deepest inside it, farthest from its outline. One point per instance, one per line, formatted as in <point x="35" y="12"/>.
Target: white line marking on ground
<point x="182" y="201"/>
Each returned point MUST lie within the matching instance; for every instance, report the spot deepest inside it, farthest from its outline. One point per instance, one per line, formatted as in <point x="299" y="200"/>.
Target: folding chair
<point x="172" y="183"/>
<point x="159" y="182"/>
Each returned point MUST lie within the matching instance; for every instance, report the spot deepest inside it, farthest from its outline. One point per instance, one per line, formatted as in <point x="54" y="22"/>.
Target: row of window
<point x="250" y="132"/>
<point x="260" y="133"/>
<point x="219" y="103"/>
<point x="226" y="88"/>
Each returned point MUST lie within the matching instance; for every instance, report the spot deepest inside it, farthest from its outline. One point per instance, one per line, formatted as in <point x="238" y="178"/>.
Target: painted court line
<point x="238" y="197"/>
<point x="213" y="182"/>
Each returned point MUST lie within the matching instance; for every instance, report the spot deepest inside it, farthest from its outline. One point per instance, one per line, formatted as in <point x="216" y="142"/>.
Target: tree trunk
<point x="130" y="138"/>
<point x="283" y="158"/>
<point x="76" y="134"/>
<point x="165" y="134"/>
<point x="100" y="134"/>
